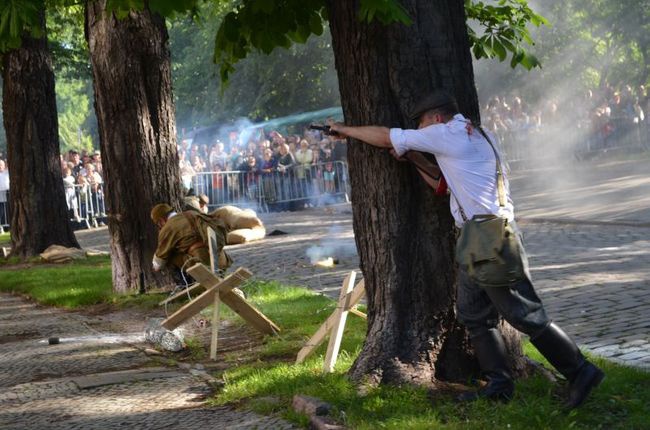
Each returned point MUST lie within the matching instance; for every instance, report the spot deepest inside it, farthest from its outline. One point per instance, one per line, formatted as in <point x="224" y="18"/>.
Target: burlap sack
<point x="244" y="235"/>
<point x="61" y="254"/>
<point x="236" y="218"/>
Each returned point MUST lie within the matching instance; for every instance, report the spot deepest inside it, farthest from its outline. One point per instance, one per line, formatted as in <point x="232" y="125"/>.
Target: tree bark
<point x="135" y="112"/>
<point x="39" y="212"/>
<point x="404" y="234"/>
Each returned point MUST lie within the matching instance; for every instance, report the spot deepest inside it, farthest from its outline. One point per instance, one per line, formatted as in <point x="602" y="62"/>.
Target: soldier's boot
<point x="562" y="352"/>
<point x="491" y="352"/>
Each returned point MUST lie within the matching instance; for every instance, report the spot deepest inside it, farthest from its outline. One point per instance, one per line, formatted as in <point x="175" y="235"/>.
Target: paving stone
<point x="593" y="279"/>
<point x="114" y="395"/>
<point x="112" y="378"/>
<point x="636" y="355"/>
<point x="160" y="403"/>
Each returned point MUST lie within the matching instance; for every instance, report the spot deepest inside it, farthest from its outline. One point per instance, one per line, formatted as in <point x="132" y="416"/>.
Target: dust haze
<point x="576" y="142"/>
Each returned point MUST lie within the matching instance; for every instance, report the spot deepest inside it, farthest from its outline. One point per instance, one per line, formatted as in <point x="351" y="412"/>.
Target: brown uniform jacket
<point x="185" y="235"/>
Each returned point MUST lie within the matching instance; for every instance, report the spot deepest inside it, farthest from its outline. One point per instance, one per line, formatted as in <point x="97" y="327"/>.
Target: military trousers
<point x="478" y="307"/>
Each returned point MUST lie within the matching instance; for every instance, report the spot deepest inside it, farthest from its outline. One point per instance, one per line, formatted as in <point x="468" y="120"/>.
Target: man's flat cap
<point x="160" y="211"/>
<point x="433" y="101"/>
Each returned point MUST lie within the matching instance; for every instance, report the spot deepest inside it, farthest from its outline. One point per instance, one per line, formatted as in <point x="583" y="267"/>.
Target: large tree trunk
<point x="404" y="234"/>
<point x="39" y="212"/>
<point x="135" y="113"/>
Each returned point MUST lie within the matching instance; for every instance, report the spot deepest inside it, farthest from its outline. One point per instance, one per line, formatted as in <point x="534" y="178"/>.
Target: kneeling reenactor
<point x="183" y="237"/>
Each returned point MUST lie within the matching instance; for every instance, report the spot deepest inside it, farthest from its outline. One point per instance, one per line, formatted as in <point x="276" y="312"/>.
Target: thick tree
<point x="405" y="236"/>
<point x="135" y="113"/>
<point x="39" y="213"/>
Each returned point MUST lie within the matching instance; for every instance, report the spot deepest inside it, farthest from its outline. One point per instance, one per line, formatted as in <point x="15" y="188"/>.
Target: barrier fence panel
<point x="4" y="210"/>
<point x="278" y="189"/>
<point x="86" y="204"/>
<point x="581" y="141"/>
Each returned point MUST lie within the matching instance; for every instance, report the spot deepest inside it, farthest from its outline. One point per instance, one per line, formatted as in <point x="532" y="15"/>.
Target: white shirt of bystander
<point x="467" y="161"/>
<point x="4" y="181"/>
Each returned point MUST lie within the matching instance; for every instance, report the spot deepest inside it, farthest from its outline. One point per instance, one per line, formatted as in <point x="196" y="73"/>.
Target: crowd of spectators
<point x="305" y="163"/>
<point x="266" y="165"/>
<point x="83" y="185"/>
<point x="597" y="120"/>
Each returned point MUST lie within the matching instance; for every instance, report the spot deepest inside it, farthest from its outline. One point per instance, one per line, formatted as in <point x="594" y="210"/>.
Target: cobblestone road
<point x="78" y="383"/>
<point x="587" y="233"/>
<point x="594" y="278"/>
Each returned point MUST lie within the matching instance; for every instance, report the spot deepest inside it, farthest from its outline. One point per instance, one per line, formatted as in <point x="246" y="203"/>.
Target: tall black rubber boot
<point x="562" y="352"/>
<point x="492" y="357"/>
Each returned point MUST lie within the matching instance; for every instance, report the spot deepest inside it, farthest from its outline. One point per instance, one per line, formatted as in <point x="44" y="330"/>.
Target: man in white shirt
<point x="468" y="163"/>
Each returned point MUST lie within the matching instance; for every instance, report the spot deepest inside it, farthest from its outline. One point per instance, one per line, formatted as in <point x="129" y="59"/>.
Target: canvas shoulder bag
<point x="488" y="247"/>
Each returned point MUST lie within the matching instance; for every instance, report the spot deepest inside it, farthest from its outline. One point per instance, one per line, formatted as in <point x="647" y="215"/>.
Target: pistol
<point x="326" y="129"/>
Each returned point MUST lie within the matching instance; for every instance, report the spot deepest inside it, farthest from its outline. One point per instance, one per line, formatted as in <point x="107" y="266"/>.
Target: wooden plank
<point x="249" y="313"/>
<point x="215" y="326"/>
<point x="336" y="334"/>
<point x="213" y="247"/>
<point x="214" y="340"/>
<point x="194" y="288"/>
<point x="358" y="313"/>
<point x="314" y="342"/>
<point x="242" y="307"/>
<point x="211" y="283"/>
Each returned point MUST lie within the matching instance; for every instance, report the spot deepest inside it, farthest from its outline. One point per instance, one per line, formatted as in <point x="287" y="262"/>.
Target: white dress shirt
<point x="467" y="161"/>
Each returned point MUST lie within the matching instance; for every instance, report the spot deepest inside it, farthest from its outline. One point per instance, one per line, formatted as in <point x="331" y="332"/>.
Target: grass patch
<point x="619" y="403"/>
<point x="79" y="283"/>
<point x="298" y="312"/>
<point x="72" y="285"/>
<point x="196" y="349"/>
<point x="5" y="239"/>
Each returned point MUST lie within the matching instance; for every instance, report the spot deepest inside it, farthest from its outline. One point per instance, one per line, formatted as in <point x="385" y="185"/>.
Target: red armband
<point x="441" y="189"/>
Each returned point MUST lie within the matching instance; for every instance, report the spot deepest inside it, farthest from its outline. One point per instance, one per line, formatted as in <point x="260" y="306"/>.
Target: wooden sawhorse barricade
<point x="335" y="324"/>
<point x="220" y="290"/>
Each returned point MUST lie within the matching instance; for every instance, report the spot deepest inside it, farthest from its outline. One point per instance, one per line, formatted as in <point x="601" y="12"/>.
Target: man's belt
<point x="195" y="246"/>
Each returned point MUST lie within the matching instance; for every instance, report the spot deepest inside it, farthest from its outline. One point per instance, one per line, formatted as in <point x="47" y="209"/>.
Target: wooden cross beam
<point x="185" y="292"/>
<point x="335" y="323"/>
<point x="339" y="322"/>
<point x="213" y="246"/>
<point x="238" y="304"/>
<point x="224" y="287"/>
<point x="207" y="297"/>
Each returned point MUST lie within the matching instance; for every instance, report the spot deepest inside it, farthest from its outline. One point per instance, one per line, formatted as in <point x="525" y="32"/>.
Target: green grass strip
<point x="80" y="283"/>
<point x="620" y="403"/>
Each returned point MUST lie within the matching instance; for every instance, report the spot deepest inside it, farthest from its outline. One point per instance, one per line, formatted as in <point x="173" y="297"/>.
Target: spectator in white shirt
<point x="4" y="195"/>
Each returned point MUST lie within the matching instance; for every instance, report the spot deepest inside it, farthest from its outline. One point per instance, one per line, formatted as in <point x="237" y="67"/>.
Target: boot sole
<point x="595" y="382"/>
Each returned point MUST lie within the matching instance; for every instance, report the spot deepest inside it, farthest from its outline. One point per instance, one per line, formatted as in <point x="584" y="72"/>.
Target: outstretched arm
<point x="371" y="134"/>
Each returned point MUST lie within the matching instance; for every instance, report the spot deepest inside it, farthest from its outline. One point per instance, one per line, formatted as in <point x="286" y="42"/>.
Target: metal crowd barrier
<point x="4" y="210"/>
<point x="280" y="189"/>
<point x="525" y="147"/>
<point x="86" y="204"/>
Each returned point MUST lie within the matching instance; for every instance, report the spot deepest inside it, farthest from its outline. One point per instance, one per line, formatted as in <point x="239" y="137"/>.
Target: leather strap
<point x="501" y="187"/>
<point x="195" y="246"/>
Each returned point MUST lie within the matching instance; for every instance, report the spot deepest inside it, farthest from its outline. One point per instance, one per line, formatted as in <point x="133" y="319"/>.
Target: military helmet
<point x="160" y="211"/>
